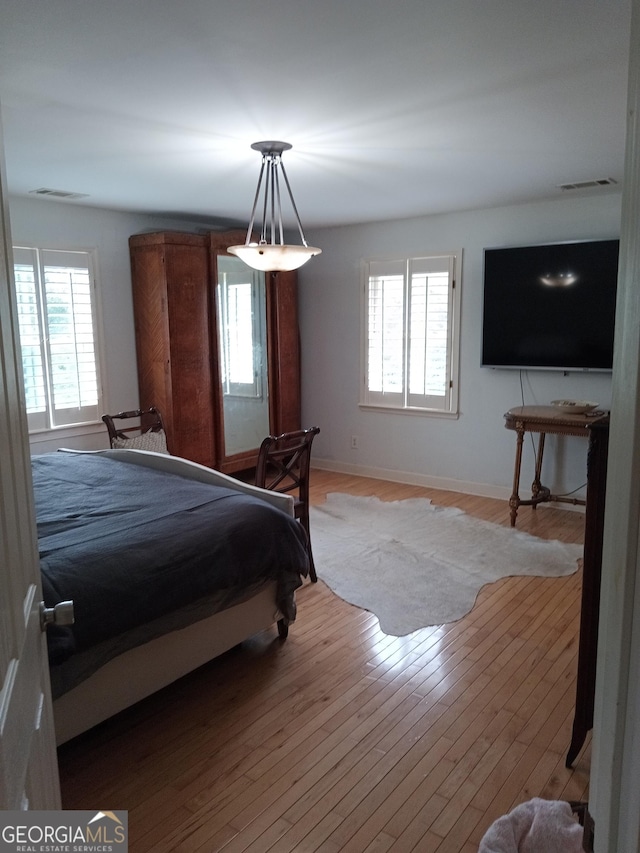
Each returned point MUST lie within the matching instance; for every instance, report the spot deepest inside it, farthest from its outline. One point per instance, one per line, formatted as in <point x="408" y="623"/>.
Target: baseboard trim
<point x="411" y="478"/>
<point x="483" y="490"/>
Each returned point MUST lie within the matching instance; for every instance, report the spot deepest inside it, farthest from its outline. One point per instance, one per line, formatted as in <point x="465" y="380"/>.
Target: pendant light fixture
<point x="271" y="252"/>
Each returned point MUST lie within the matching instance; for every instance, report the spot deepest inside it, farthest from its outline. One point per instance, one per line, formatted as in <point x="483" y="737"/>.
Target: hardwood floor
<point x="345" y="739"/>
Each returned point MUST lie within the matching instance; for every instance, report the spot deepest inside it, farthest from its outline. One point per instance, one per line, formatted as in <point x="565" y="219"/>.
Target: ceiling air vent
<point x="587" y="185"/>
<point x="57" y="193"/>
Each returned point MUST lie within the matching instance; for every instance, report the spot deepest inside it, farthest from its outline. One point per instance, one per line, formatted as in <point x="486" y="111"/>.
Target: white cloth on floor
<point x="537" y="826"/>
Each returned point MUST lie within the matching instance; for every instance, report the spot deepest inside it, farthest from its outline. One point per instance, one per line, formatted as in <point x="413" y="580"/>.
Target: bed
<point x="168" y="563"/>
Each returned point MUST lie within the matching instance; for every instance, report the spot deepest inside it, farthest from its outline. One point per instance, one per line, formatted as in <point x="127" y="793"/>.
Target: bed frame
<point x="145" y="669"/>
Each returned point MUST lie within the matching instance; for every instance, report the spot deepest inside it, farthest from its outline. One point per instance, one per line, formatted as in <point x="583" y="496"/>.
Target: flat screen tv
<point x="550" y="307"/>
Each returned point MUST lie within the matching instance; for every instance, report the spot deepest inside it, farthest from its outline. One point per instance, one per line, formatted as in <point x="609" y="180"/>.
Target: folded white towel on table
<point x="537" y="826"/>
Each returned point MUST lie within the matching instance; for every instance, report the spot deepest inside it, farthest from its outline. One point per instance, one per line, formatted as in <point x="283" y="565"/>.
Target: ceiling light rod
<point x="273" y="255"/>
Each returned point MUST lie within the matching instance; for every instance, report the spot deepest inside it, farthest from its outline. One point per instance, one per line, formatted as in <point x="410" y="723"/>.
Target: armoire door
<point x="256" y="356"/>
<point x="172" y="306"/>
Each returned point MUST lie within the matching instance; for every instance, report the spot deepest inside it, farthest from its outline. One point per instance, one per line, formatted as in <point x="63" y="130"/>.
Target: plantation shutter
<point x="409" y="333"/>
<point x="55" y="294"/>
<point x="430" y="332"/>
<point x="385" y="333"/>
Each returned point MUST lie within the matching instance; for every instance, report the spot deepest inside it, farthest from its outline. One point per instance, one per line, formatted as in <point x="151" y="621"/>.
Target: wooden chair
<point x="147" y="433"/>
<point x="283" y="466"/>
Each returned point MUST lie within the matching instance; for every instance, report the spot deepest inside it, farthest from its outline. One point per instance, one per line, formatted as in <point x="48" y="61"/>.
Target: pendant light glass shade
<point x="262" y="256"/>
<point x="271" y="252"/>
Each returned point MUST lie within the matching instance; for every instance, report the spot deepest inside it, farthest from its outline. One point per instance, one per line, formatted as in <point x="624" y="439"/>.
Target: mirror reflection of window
<point x="242" y="332"/>
<point x="241" y="352"/>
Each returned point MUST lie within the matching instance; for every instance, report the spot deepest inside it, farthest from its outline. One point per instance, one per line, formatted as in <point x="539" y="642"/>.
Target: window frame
<point x="406" y="265"/>
<point x="45" y="422"/>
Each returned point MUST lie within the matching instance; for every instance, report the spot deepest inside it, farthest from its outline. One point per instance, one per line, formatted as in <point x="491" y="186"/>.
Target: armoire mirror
<point x="242" y="354"/>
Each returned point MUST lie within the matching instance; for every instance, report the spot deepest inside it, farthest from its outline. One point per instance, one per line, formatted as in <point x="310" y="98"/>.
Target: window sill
<point x="399" y="410"/>
<point x="61" y="433"/>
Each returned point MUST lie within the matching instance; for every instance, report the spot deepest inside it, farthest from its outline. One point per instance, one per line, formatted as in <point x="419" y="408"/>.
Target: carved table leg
<point x="514" y="500"/>
<point x="536" y="487"/>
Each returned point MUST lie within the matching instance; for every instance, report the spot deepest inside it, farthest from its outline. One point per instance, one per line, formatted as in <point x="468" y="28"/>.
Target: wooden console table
<point x="543" y="419"/>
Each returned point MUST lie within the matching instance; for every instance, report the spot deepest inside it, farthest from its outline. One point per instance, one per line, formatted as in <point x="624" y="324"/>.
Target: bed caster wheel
<point x="283" y="629"/>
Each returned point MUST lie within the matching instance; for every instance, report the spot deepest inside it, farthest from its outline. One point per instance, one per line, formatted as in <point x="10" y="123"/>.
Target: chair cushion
<point x="150" y="440"/>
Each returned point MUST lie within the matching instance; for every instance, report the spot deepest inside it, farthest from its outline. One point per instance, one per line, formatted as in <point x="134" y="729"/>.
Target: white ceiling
<point x="394" y="108"/>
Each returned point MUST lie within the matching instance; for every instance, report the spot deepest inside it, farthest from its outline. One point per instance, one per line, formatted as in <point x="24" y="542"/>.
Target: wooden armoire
<point x="179" y="284"/>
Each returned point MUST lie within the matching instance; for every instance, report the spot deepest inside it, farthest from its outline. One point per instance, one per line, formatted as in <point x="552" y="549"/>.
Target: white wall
<point x="54" y="224"/>
<point x="474" y="453"/>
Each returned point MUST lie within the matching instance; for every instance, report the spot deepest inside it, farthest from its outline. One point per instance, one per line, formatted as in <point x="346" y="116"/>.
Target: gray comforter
<point x="130" y="545"/>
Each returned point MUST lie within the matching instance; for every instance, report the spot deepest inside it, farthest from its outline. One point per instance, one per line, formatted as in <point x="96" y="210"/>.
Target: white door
<point x="28" y="764"/>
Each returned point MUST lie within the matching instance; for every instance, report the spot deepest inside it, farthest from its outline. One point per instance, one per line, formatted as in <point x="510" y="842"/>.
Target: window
<point x="57" y="322"/>
<point x="410" y="322"/>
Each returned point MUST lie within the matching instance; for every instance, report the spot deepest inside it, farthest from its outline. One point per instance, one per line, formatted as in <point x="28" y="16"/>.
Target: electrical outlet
<point x="354" y="442"/>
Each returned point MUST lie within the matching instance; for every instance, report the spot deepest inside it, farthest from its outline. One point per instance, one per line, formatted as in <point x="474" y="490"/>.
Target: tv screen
<point x="550" y="307"/>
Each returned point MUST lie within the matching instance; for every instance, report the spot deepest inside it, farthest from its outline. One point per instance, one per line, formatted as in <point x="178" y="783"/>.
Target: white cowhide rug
<point x="415" y="564"/>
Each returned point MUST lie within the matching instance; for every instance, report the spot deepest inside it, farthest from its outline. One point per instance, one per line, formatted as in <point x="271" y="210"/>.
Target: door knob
<point x="59" y="614"/>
